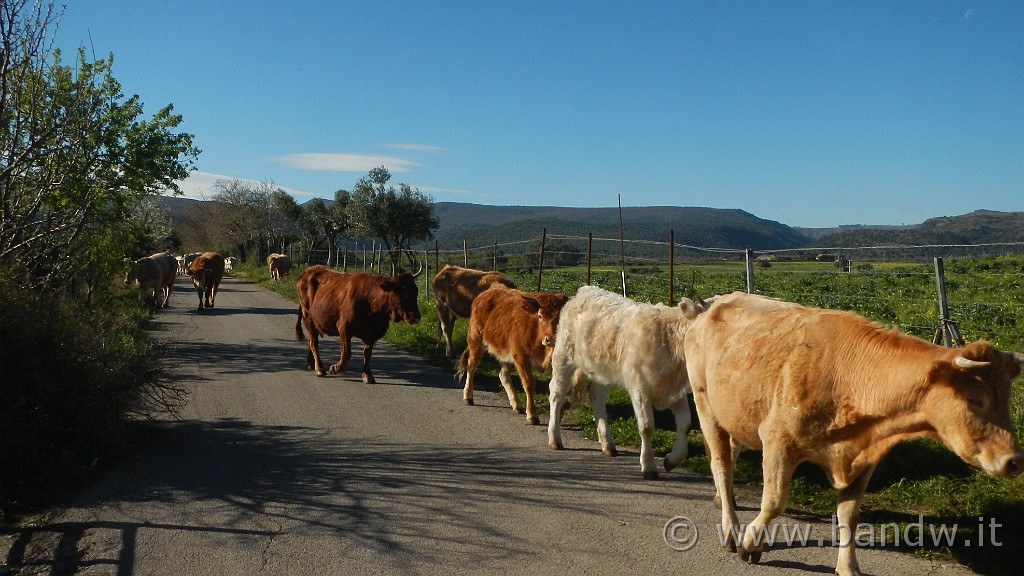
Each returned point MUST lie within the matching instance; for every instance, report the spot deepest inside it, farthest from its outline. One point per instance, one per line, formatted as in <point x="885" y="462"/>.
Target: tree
<point x="323" y="223"/>
<point x="395" y="217"/>
<point x="252" y="218"/>
<point x="75" y="155"/>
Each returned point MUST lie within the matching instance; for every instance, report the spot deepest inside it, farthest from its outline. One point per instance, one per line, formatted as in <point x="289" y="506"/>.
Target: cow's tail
<point x="299" y="334"/>
<point x="579" y="388"/>
<point x="463" y="366"/>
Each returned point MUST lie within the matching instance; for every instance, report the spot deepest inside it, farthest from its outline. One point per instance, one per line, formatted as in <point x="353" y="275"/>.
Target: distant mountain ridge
<point x="481" y="225"/>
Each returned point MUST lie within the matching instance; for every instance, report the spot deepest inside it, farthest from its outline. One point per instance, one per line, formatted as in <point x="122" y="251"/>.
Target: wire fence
<point x="979" y="292"/>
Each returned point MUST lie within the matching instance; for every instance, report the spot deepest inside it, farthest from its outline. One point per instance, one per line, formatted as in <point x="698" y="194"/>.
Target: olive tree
<point x="395" y="217"/>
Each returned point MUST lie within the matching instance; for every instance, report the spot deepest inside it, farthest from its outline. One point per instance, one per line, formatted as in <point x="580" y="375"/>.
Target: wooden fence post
<point x="495" y="266"/>
<point x="590" y="253"/>
<point x="671" y="267"/>
<point x="540" y="270"/>
<point x="465" y="253"/>
<point x="426" y="273"/>
<point x="946" y="330"/>
<point x="750" y="271"/>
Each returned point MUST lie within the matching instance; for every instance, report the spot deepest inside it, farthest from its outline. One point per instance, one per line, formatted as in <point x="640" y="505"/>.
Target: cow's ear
<point x="530" y="304"/>
<point x="389" y="285"/>
<point x="1013" y="362"/>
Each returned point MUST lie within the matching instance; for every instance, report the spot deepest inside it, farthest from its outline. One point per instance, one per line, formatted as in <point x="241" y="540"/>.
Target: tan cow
<point x="517" y="328"/>
<point x="829" y="387"/>
<point x="279" y="265"/>
<point x="454" y="290"/>
<point x="614" y="341"/>
<point x="207" y="271"/>
<point x="155" y="276"/>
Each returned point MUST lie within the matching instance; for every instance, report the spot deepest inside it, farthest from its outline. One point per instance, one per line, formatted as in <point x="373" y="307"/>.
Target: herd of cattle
<point x="800" y="384"/>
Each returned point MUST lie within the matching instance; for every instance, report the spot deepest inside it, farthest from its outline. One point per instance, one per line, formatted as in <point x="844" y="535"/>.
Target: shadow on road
<point x="374" y="494"/>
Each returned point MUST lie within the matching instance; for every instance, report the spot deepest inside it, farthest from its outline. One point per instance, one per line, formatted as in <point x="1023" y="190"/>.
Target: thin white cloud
<point x="417" y="148"/>
<point x="202" y="186"/>
<point x="345" y="162"/>
<point x="968" y="13"/>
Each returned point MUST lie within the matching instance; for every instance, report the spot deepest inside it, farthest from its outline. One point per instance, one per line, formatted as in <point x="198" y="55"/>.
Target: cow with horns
<point x="348" y="305"/>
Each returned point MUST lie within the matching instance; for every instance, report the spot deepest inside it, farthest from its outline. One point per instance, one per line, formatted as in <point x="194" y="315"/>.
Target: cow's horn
<point x="966" y="363"/>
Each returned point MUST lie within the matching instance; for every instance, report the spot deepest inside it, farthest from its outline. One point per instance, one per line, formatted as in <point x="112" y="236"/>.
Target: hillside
<point x="483" y="225"/>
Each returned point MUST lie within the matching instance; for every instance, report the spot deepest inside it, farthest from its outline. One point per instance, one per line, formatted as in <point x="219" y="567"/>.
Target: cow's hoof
<point x="534" y="420"/>
<point x="369" y="379"/>
<point x="555" y="445"/>
<point x="469" y="401"/>
<point x="750" y="557"/>
<point x="610" y="452"/>
<point x="320" y="373"/>
<point x="730" y="546"/>
<point x="650" y="474"/>
<point x="519" y="410"/>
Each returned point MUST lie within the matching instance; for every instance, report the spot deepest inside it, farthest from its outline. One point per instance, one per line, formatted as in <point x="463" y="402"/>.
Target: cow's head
<point x="547" y="308"/>
<point x="403" y="298"/>
<point x="132" y="274"/>
<point x="969" y="406"/>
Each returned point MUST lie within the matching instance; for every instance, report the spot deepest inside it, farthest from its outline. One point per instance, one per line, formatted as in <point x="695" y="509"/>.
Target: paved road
<point x="271" y="470"/>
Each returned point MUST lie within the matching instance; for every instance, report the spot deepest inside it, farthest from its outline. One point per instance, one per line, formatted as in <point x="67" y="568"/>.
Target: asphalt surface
<point x="272" y="470"/>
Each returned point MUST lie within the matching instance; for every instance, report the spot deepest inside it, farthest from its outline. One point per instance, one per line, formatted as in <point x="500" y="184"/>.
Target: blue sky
<point x="814" y="113"/>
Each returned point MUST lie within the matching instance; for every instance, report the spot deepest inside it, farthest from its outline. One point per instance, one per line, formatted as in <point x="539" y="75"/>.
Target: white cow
<point x="612" y="340"/>
<point x="229" y="263"/>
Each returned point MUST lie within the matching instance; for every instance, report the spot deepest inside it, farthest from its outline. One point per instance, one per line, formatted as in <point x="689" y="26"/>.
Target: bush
<point x="73" y="376"/>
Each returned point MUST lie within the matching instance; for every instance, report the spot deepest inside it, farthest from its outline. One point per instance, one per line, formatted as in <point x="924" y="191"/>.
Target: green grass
<point x="985" y="298"/>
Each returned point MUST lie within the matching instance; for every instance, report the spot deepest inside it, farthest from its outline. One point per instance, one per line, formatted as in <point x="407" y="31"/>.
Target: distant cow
<point x="613" y="340"/>
<point x="829" y="387"/>
<point x="517" y="328"/>
<point x="279" y="265"/>
<point x="185" y="262"/>
<point x="454" y="290"/>
<point x="155" y="276"/>
<point x="348" y="305"/>
<point x="229" y="263"/>
<point x="207" y="271"/>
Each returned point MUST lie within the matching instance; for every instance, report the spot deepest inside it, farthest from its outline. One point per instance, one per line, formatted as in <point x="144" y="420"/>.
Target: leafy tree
<point x="395" y="217"/>
<point x="322" y="223"/>
<point x="76" y="155"/>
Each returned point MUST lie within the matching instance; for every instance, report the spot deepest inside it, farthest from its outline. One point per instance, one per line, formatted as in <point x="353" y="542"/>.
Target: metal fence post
<point x="750" y="271"/>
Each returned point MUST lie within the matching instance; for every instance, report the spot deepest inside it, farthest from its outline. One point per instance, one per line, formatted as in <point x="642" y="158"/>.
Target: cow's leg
<point x="644" y="412"/>
<point x="525" y="369"/>
<point x="681" y="412"/>
<point x="471" y="359"/>
<point x="167" y="296"/>
<point x="505" y="376"/>
<point x="847" y="516"/>
<point x="735" y="448"/>
<point x="213" y="295"/>
<point x="598" y="404"/>
<point x="346" y="350"/>
<point x="367" y="353"/>
<point x="313" y="358"/>
<point x="561" y="379"/>
<point x="717" y="444"/>
<point x="446" y="320"/>
<point x="777" y="471"/>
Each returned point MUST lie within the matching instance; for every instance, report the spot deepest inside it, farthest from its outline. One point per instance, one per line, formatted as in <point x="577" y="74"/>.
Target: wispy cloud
<point x="417" y="148"/>
<point x="345" y="162"/>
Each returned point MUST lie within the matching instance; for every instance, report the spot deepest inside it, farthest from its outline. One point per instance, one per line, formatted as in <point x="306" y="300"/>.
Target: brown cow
<point x="207" y="271"/>
<point x="357" y="304"/>
<point x="518" y="328"/>
<point x="454" y="290"/>
<point x="829" y="387"/>
<point x="278" y="265"/>
<point x="155" y="276"/>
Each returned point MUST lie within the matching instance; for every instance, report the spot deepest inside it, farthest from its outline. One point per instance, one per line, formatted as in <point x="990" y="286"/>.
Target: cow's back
<point x="456" y="288"/>
<point x="778" y="357"/>
<point x="166" y="267"/>
<point x="211" y="261"/>
<point x="612" y="338"/>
